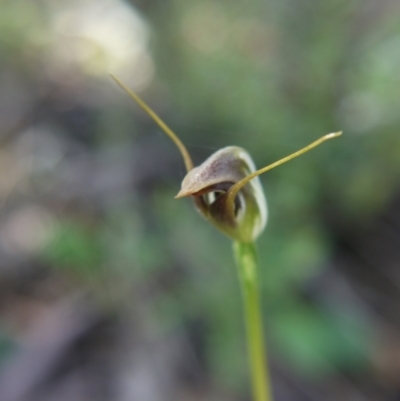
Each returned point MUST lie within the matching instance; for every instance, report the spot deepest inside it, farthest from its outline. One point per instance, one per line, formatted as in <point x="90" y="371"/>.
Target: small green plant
<point x="227" y="192"/>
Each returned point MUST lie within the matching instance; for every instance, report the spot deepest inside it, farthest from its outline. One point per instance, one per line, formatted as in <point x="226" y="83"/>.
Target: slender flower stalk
<point x="227" y="192"/>
<point x="246" y="259"/>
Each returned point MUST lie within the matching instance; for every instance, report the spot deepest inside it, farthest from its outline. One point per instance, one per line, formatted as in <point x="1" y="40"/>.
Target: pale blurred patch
<point x="98" y="37"/>
<point x="25" y="230"/>
<point x="206" y="27"/>
<point x="361" y="112"/>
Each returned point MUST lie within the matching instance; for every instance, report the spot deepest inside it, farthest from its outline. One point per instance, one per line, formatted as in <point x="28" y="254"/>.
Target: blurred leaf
<point x="74" y="247"/>
<point x="318" y="343"/>
<point x="6" y="347"/>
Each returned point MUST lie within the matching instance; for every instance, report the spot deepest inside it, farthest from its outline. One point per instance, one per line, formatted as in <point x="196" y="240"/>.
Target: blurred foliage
<point x="267" y="76"/>
<point x="6" y="347"/>
<point x="72" y="247"/>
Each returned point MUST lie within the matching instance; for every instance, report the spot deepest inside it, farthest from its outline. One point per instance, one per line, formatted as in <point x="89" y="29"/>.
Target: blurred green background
<point x="112" y="290"/>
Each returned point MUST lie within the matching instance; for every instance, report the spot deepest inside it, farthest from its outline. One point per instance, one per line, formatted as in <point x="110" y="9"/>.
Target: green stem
<point x="246" y="258"/>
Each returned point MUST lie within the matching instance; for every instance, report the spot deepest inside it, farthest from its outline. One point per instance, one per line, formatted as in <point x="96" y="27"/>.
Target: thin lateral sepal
<point x="233" y="191"/>
<point x="184" y="152"/>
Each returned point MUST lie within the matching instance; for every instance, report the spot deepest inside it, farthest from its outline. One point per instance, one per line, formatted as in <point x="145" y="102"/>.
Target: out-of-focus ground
<point x="112" y="290"/>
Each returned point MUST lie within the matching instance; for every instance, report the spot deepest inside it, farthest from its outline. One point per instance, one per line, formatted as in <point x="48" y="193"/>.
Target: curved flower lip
<point x="184" y="192"/>
<point x="220" y="168"/>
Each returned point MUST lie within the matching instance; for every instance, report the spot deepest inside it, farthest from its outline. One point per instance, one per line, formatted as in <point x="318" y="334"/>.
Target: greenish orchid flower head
<point x="245" y="217"/>
<point x="225" y="187"/>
